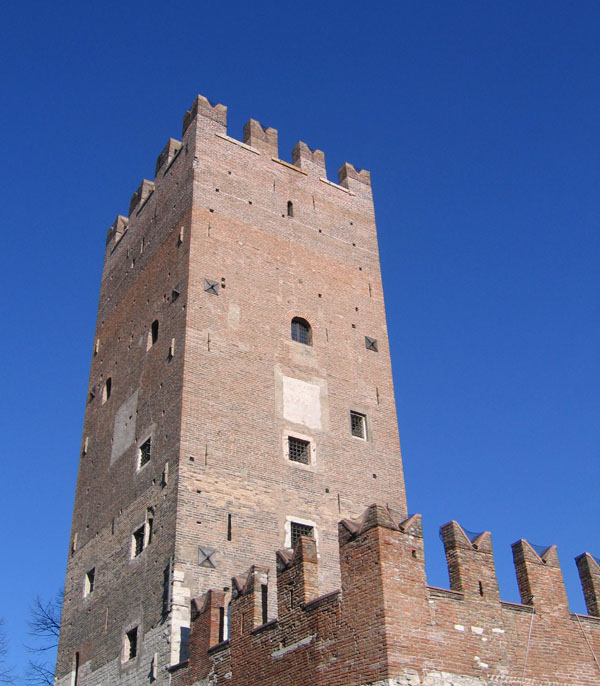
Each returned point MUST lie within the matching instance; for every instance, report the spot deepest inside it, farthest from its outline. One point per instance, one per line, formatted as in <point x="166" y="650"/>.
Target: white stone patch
<point x="293" y="646"/>
<point x="233" y="316"/>
<point x="124" y="427"/>
<point x="302" y="402"/>
<point x="459" y="627"/>
<point x="476" y="630"/>
<point x="497" y="631"/>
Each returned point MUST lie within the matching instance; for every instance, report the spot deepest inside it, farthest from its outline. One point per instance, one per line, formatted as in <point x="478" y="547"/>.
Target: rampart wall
<point x="387" y="626"/>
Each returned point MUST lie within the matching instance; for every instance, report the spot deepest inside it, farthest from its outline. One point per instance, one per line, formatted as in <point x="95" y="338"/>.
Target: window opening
<point x="264" y="591"/>
<point x="149" y="530"/>
<point x="138" y="541"/>
<point x="90" y="579"/>
<point x="221" y="624"/>
<point x="297" y="530"/>
<point x="145" y="452"/>
<point x="229" y="527"/>
<point x="76" y="670"/>
<point x="154" y="331"/>
<point x="290" y="209"/>
<point x="107" y="390"/>
<point x="358" y="425"/>
<point x="301" y="331"/>
<point x="298" y="450"/>
<point x="131" y="644"/>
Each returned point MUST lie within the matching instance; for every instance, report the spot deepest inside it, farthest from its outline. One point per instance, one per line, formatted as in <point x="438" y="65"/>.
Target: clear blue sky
<point x="479" y="122"/>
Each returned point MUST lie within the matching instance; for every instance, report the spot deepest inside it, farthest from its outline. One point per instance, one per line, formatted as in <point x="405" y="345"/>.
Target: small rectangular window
<point x="298" y="450"/>
<point x="358" y="425"/>
<point x="90" y="579"/>
<point x="297" y="530"/>
<point x="131" y="639"/>
<point x="145" y="452"/>
<point x="138" y="541"/>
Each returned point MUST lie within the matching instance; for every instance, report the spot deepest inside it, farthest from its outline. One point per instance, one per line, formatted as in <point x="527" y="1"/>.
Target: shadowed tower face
<point x="240" y="392"/>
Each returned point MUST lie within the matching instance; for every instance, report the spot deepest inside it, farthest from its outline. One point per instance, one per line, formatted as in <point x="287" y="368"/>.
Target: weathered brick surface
<point x="388" y="627"/>
<point x="219" y="406"/>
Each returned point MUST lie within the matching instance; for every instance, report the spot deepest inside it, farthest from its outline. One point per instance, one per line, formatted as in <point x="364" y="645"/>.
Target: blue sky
<point x="479" y="123"/>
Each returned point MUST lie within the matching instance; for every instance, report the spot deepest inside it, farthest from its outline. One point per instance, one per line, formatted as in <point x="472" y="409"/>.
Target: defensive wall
<point x="387" y="626"/>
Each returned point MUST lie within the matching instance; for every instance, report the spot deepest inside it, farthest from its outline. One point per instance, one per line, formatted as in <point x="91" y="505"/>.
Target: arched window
<point x="154" y="331"/>
<point x="290" y="207"/>
<point x="301" y="331"/>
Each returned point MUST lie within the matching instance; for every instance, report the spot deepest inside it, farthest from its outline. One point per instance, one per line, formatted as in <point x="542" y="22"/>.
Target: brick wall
<point x="387" y="626"/>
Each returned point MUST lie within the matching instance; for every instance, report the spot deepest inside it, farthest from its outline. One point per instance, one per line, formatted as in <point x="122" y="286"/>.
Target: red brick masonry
<point x="388" y="624"/>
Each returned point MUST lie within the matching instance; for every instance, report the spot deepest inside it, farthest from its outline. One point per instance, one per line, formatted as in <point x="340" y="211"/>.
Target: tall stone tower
<point x="240" y="392"/>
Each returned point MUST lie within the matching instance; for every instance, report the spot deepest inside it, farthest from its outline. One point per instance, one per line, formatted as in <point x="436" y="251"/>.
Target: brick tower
<point x="240" y="392"/>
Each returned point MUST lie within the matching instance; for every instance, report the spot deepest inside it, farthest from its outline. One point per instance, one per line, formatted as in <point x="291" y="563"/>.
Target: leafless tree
<point x="44" y="627"/>
<point x="6" y="673"/>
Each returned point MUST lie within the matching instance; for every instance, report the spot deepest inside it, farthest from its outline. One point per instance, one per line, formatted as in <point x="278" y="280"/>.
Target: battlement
<point x="221" y="163"/>
<point x="388" y="624"/>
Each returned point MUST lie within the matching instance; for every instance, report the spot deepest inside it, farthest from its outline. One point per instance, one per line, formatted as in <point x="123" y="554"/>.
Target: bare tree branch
<point x="6" y="673"/>
<point x="44" y="627"/>
<point x="39" y="674"/>
<point x="44" y="623"/>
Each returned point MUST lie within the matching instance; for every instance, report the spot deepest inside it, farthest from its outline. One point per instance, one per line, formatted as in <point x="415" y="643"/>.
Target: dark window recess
<point x="176" y="292"/>
<point x="264" y="598"/>
<point x="371" y="343"/>
<point x="131" y="644"/>
<point x="150" y="528"/>
<point x="145" y="452"/>
<point x="167" y="587"/>
<point x="107" y="390"/>
<point x="298" y="530"/>
<point x="90" y="579"/>
<point x="211" y="287"/>
<point x="229" y="527"/>
<point x="221" y="624"/>
<point x="290" y="208"/>
<point x="301" y="331"/>
<point x="154" y="331"/>
<point x="76" y="670"/>
<point x="298" y="450"/>
<point x="138" y="541"/>
<point x="358" y="424"/>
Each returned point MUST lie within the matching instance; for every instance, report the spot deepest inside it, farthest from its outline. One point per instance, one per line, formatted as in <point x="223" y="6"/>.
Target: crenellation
<point x="470" y="562"/>
<point x="297" y="576"/>
<point x="116" y="231"/>
<point x="589" y="575"/>
<point x="168" y="154"/>
<point x="263" y="139"/>
<point x="143" y="192"/>
<point x="312" y="161"/>
<point x="539" y="577"/>
<point x="202" y="107"/>
<point x="353" y="178"/>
